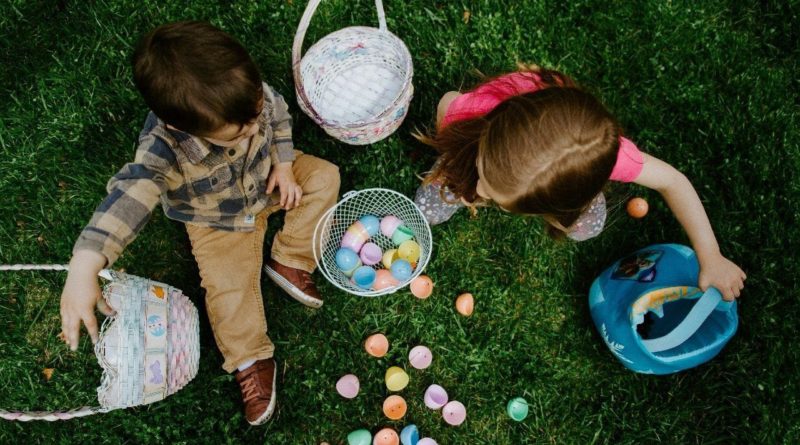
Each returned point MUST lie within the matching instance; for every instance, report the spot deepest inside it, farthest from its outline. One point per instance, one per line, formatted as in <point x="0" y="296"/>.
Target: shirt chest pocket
<point x="215" y="181"/>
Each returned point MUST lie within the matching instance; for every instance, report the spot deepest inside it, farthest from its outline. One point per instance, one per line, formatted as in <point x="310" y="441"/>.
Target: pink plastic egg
<point x="454" y="413"/>
<point x="465" y="304"/>
<point x="384" y="280"/>
<point x="420" y="357"/>
<point x="435" y="397"/>
<point x="377" y="345"/>
<point x="370" y="254"/>
<point x="386" y="436"/>
<point x="389" y="224"/>
<point x="348" y="386"/>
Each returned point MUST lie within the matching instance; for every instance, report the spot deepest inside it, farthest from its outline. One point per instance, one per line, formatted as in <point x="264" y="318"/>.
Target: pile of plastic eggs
<point x="361" y="259"/>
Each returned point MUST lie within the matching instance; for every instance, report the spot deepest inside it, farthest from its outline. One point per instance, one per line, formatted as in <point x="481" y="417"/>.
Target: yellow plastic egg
<point x="377" y="345"/>
<point x="465" y="304"/>
<point x="388" y="258"/>
<point x="396" y="378"/>
<point x="386" y="436"/>
<point x="409" y="251"/>
<point x="394" y="407"/>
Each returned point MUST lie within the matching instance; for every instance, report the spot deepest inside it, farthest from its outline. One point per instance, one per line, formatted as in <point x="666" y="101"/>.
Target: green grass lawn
<point x="711" y="87"/>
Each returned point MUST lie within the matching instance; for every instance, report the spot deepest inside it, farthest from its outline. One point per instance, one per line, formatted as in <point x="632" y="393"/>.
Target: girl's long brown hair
<point x="550" y="151"/>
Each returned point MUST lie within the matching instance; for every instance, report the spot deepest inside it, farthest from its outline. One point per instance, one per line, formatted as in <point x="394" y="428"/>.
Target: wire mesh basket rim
<point x="391" y="107"/>
<point x="318" y="249"/>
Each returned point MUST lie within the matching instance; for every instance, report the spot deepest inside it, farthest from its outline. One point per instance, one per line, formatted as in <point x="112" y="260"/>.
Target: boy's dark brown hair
<point x="550" y="151"/>
<point x="196" y="77"/>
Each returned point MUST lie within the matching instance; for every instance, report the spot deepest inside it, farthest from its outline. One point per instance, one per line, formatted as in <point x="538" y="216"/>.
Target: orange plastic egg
<point x="422" y="287"/>
<point x="637" y="208"/>
<point x="377" y="345"/>
<point x="465" y="304"/>
<point x="394" y="407"/>
<point x="386" y="436"/>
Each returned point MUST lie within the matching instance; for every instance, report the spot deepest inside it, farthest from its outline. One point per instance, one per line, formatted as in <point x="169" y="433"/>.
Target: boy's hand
<point x="723" y="274"/>
<point x="80" y="295"/>
<point x="283" y="177"/>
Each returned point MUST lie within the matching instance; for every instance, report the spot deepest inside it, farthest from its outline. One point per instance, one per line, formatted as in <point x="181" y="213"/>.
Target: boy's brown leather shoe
<point x="258" y="390"/>
<point x="297" y="283"/>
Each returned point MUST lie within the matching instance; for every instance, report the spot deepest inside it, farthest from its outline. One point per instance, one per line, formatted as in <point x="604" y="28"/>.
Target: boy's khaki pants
<point x="230" y="263"/>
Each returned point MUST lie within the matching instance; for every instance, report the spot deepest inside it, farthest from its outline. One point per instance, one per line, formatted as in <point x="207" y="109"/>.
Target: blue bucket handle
<point x="705" y="306"/>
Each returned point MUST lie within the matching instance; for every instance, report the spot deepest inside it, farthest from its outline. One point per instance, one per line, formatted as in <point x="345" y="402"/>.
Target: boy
<point x="214" y="147"/>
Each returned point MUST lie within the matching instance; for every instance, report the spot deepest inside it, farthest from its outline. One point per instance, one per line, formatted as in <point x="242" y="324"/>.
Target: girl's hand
<point x="80" y="296"/>
<point x="283" y="177"/>
<point x="722" y="274"/>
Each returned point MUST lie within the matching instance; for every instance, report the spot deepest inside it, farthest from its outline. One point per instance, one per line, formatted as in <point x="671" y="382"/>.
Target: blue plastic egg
<point x="372" y="224"/>
<point x="347" y="260"/>
<point x="409" y="435"/>
<point x="364" y="276"/>
<point x="401" y="270"/>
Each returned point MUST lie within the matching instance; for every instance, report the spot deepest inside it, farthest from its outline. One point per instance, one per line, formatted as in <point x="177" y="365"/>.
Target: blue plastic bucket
<point x="652" y="316"/>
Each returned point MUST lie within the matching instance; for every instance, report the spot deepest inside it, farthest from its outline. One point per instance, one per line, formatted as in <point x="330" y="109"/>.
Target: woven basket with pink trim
<point x="356" y="82"/>
<point x="149" y="349"/>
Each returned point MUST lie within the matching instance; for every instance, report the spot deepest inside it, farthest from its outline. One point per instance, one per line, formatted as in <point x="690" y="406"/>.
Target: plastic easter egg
<point x="517" y="409"/>
<point x="454" y="413"/>
<point x="348" y="386"/>
<point x="355" y="236"/>
<point x="422" y="287"/>
<point x="394" y="407"/>
<point x="427" y="441"/>
<point x="347" y="261"/>
<point x="384" y="280"/>
<point x="637" y="208"/>
<point x="359" y="437"/>
<point x="409" y="435"/>
<point x="465" y="304"/>
<point x="420" y="357"/>
<point x="435" y="397"/>
<point x="401" y="270"/>
<point x="371" y="223"/>
<point x="389" y="224"/>
<point x="401" y="235"/>
<point x="370" y="254"/>
<point x="386" y="436"/>
<point x="389" y="257"/>
<point x="409" y="251"/>
<point x="377" y="345"/>
<point x="364" y="276"/>
<point x="396" y="378"/>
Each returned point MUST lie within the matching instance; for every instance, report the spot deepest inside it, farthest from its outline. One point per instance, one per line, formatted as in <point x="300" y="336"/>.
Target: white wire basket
<point x="378" y="202"/>
<point x="356" y="82"/>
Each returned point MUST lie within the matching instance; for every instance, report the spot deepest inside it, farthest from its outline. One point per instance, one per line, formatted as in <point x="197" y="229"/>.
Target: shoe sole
<point x="272" y="402"/>
<point x="291" y="289"/>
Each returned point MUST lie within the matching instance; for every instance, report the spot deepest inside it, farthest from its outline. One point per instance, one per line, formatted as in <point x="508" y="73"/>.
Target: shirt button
<point x="231" y="152"/>
<point x="251" y="187"/>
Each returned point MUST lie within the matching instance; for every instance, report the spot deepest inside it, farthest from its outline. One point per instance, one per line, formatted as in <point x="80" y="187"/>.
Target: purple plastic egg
<point x="454" y="413"/>
<point x="348" y="386"/>
<point x="435" y="397"/>
<point x="371" y="254"/>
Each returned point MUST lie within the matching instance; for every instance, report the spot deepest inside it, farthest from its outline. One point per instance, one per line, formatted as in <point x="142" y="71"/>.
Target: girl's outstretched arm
<point x="715" y="270"/>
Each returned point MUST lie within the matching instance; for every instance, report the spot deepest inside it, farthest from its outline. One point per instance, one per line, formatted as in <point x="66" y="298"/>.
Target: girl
<point x="533" y="143"/>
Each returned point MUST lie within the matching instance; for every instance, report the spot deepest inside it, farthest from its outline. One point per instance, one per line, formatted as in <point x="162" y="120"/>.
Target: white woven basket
<point x="377" y="202"/>
<point x="356" y="82"/>
<point x="149" y="349"/>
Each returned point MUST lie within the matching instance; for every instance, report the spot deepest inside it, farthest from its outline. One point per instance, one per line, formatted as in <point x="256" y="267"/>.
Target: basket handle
<point x="710" y="301"/>
<point x="25" y="416"/>
<point x="297" y="50"/>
